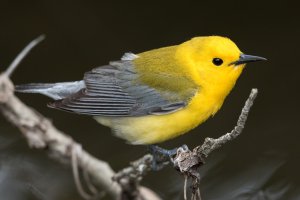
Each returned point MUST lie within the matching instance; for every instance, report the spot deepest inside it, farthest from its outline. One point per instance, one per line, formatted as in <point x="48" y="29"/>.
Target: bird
<point x="157" y="95"/>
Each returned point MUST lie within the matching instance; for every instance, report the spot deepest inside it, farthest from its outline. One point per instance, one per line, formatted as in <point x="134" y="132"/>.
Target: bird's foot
<point x="162" y="157"/>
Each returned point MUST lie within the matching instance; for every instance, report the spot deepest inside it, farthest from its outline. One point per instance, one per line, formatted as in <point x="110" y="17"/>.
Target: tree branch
<point x="22" y="55"/>
<point x="186" y="161"/>
<point x="41" y="134"/>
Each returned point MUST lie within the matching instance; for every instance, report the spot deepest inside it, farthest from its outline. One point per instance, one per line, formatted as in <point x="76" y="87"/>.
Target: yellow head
<point x="213" y="60"/>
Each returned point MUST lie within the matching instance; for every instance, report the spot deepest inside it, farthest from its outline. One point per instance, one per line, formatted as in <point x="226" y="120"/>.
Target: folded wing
<point x="116" y="90"/>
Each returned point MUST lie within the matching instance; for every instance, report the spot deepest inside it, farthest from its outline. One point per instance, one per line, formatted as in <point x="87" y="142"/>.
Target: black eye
<point x="217" y="61"/>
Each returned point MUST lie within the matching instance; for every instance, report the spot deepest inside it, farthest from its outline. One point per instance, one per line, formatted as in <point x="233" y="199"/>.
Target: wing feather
<point x="115" y="90"/>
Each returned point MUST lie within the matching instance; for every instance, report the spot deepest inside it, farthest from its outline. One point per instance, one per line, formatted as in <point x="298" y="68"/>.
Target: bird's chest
<point x="158" y="128"/>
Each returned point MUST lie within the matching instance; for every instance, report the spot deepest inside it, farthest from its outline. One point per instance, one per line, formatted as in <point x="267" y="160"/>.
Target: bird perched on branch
<point x="156" y="95"/>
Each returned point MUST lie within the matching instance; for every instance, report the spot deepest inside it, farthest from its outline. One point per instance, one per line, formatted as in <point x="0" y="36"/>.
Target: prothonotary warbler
<point x="156" y="95"/>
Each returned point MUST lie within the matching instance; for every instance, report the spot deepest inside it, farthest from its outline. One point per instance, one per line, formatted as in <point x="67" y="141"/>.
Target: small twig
<point x="22" y="54"/>
<point x="211" y="144"/>
<point x="129" y="178"/>
<point x="184" y="187"/>
<point x="75" y="153"/>
<point x="90" y="185"/>
<point x="198" y="193"/>
<point x="36" y="192"/>
<point x="136" y="169"/>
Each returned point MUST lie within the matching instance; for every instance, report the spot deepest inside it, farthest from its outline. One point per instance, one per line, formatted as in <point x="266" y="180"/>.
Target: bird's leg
<point x="162" y="156"/>
<point x="162" y="151"/>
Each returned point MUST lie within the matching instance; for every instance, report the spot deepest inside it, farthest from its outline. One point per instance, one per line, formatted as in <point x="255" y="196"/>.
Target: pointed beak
<point x="246" y="59"/>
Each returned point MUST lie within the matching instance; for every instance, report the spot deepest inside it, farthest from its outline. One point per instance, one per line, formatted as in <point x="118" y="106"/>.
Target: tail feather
<point x="55" y="91"/>
<point x="33" y="87"/>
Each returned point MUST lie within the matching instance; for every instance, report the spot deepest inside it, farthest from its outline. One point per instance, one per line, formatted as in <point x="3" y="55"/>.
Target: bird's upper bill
<point x="244" y="58"/>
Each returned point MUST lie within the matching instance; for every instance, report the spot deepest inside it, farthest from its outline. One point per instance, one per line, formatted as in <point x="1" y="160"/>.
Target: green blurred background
<point x="263" y="163"/>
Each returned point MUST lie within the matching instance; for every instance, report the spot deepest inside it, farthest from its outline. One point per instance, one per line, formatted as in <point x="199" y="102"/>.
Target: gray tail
<point x="53" y="90"/>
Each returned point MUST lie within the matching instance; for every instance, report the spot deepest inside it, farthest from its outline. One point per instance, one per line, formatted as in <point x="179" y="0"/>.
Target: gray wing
<point x="115" y="90"/>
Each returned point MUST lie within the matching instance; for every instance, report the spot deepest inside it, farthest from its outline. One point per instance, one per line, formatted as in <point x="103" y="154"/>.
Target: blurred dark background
<point x="263" y="163"/>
